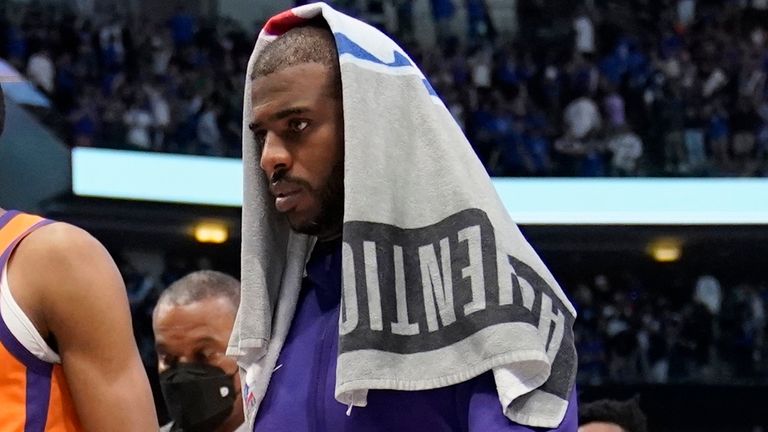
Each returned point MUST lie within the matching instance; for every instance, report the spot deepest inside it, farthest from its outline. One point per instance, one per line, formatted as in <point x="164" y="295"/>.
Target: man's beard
<point x="330" y="219"/>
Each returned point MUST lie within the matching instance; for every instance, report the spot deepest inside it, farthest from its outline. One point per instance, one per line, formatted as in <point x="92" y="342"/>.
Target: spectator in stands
<point x="483" y="127"/>
<point x="761" y="138"/>
<point x="161" y="46"/>
<point x="752" y="76"/>
<point x="709" y="293"/>
<point x="551" y="87"/>
<point x="456" y="107"/>
<point x="538" y="145"/>
<point x="143" y="292"/>
<point x="192" y="323"/>
<point x="718" y="134"/>
<point x="479" y="22"/>
<point x="592" y="356"/>
<point x="624" y="363"/>
<point x="138" y="121"/>
<point x="706" y="306"/>
<point x="66" y="84"/>
<point x="111" y="42"/>
<point x="607" y="415"/>
<point x="585" y="32"/>
<point x="481" y="64"/>
<point x="582" y="118"/>
<point x="510" y="156"/>
<point x="693" y="350"/>
<point x="613" y="104"/>
<point x="112" y="123"/>
<point x="183" y="25"/>
<point x="744" y="122"/>
<point x="506" y="73"/>
<point x="715" y="79"/>
<point x="83" y="120"/>
<point x="743" y="326"/>
<point x="376" y="14"/>
<point x="686" y="13"/>
<point x="161" y="114"/>
<point x="589" y="342"/>
<point x="579" y="148"/>
<point x="626" y="148"/>
<point x="41" y="70"/>
<point x="208" y="132"/>
<point x="653" y="346"/>
<point x="442" y="13"/>
<point x="694" y="138"/>
<point x="584" y="75"/>
<point x="404" y="13"/>
<point x="671" y="109"/>
<point x="16" y="44"/>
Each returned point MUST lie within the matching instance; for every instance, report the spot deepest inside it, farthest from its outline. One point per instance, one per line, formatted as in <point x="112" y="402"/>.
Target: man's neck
<point x="329" y="238"/>
<point x="330" y="234"/>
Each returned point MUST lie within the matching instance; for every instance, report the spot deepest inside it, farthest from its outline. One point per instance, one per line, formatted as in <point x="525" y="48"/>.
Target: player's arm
<point x="83" y="303"/>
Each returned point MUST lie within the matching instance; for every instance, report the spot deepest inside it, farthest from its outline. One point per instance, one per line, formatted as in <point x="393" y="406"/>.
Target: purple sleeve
<point x="485" y="412"/>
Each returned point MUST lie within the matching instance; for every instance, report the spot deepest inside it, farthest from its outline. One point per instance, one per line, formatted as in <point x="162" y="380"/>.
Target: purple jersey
<point x="300" y="394"/>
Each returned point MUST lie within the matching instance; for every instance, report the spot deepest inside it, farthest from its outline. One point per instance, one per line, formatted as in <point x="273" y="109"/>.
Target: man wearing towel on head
<point x="385" y="287"/>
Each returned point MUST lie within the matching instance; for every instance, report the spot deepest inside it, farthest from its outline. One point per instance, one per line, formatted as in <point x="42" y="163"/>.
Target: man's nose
<point x="274" y="155"/>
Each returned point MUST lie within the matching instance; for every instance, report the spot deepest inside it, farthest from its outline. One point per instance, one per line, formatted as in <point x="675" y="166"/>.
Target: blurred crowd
<point x="174" y="86"/>
<point x="645" y="87"/>
<point x="620" y="88"/>
<point x="632" y="330"/>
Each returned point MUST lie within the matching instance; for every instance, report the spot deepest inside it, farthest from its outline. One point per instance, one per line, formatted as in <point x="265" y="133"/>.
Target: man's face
<point x="188" y="334"/>
<point x="298" y="123"/>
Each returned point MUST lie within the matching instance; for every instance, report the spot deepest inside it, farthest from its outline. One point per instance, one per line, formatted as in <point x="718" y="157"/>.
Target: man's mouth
<point x="286" y="196"/>
<point x="287" y="201"/>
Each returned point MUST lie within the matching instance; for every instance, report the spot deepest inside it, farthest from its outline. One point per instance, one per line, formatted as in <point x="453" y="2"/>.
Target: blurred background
<point x="628" y="138"/>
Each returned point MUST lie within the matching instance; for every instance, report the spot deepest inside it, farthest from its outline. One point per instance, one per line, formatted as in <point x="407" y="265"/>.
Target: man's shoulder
<point x="57" y="250"/>
<point x="62" y="259"/>
<point x="57" y="241"/>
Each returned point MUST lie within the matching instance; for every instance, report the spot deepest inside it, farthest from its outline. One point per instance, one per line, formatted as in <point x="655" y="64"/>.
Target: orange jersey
<point x="34" y="396"/>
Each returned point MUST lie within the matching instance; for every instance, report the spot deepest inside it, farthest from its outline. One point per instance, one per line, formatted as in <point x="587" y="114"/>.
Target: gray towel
<point x="439" y="285"/>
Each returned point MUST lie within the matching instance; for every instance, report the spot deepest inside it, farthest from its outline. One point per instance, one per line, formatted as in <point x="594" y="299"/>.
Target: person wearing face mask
<point x="192" y="322"/>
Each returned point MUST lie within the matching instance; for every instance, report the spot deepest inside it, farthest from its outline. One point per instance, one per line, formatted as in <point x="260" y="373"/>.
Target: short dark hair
<point x="201" y="285"/>
<point x="2" y="110"/>
<point x="312" y="42"/>
<point x="626" y="414"/>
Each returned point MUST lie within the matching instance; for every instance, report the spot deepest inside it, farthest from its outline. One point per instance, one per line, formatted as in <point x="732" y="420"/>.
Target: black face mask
<point x="199" y="397"/>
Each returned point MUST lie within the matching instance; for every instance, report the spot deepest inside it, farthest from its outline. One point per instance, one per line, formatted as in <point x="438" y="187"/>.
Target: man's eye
<point x="259" y="137"/>
<point x="298" y="125"/>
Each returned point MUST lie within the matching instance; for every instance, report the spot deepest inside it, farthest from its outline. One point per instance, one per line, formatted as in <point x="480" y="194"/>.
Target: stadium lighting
<point x="665" y="250"/>
<point x="211" y="232"/>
